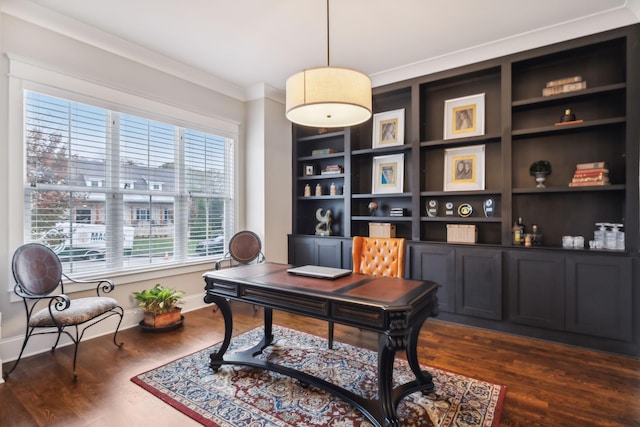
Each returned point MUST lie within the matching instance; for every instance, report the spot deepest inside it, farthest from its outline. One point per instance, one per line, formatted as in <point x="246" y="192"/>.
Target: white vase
<point x="540" y="179"/>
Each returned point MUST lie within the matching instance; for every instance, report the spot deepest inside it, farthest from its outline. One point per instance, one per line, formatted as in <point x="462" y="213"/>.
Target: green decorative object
<point x="540" y="170"/>
<point x="159" y="299"/>
<point x="161" y="311"/>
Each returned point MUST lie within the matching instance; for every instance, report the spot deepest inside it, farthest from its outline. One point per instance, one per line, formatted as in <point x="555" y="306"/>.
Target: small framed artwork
<point x="388" y="128"/>
<point x="464" y="116"/>
<point x="388" y="174"/>
<point x="308" y="169"/>
<point x="464" y="168"/>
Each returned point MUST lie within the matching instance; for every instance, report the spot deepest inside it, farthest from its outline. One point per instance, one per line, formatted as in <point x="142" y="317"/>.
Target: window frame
<point x="25" y="76"/>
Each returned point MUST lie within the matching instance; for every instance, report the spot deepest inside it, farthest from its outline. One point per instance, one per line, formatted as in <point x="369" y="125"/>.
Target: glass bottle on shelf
<point x="536" y="236"/>
<point x="307" y="190"/>
<point x="523" y="229"/>
<point x="516" y="234"/>
<point x="599" y="234"/>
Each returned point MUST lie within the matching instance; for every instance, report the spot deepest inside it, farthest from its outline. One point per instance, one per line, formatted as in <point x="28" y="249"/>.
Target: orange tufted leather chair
<point x="376" y="256"/>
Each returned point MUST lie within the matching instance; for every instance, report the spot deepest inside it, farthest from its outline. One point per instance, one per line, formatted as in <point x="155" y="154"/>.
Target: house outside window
<point x="154" y="188"/>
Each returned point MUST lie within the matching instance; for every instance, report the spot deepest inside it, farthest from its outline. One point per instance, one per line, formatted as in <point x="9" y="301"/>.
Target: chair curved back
<point x="36" y="269"/>
<point x="378" y="256"/>
<point x="38" y="273"/>
<point x="245" y="247"/>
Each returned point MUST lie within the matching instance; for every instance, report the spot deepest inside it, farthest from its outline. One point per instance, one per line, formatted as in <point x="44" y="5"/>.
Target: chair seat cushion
<point x="80" y="311"/>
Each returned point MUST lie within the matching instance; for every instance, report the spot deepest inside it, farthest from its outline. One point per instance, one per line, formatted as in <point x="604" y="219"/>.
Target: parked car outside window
<point x="213" y="246"/>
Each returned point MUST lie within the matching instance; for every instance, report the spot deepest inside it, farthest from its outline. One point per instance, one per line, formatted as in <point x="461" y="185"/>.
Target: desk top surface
<point x="385" y="291"/>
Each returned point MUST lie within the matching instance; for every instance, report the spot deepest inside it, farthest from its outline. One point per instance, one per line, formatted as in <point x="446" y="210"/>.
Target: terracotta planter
<point x="163" y="320"/>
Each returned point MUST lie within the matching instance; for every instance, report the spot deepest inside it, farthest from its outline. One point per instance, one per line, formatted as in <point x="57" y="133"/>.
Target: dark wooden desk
<point x="395" y="308"/>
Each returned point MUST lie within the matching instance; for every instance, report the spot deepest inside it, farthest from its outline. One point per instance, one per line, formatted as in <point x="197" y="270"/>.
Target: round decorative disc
<point x="465" y="210"/>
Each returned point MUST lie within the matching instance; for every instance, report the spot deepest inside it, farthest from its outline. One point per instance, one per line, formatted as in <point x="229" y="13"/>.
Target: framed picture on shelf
<point x="388" y="128"/>
<point x="464" y="168"/>
<point x="388" y="174"/>
<point x="464" y="116"/>
<point x="308" y="169"/>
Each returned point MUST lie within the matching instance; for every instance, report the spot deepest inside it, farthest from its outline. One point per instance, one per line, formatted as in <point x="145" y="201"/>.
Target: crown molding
<point x="53" y="21"/>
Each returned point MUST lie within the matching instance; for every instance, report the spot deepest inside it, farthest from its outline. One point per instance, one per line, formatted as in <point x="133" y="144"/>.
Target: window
<point x="142" y="215"/>
<point x="83" y="216"/>
<point x="111" y="191"/>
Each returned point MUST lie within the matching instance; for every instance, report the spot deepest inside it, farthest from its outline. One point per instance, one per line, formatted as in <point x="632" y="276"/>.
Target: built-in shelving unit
<point x="519" y="129"/>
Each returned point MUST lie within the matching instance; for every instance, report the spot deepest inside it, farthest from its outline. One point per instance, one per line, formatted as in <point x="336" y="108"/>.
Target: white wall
<point x="268" y="174"/>
<point x="44" y="54"/>
<point x="278" y="182"/>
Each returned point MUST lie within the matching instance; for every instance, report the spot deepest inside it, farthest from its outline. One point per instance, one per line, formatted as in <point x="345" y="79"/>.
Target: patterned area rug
<point x="243" y="396"/>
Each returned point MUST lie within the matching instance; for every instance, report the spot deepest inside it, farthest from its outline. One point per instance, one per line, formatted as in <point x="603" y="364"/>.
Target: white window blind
<point x="110" y="191"/>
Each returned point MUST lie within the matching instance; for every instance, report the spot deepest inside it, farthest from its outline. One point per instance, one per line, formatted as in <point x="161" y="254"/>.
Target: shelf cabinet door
<point x="479" y="282"/>
<point x="309" y="250"/>
<point x="436" y="263"/>
<point x="329" y="252"/>
<point x="599" y="296"/>
<point x="536" y="289"/>
<point x="347" y="258"/>
<point x="302" y="250"/>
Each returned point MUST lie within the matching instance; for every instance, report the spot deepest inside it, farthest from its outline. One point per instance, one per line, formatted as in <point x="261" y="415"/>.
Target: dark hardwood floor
<point x="547" y="384"/>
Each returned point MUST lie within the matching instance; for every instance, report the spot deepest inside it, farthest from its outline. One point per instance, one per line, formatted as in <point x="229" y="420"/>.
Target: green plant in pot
<point x="160" y="305"/>
<point x="540" y="170"/>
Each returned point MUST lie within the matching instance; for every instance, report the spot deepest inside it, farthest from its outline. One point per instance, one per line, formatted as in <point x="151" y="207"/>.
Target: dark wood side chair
<point x="37" y="271"/>
<point x="245" y="247"/>
<point x="376" y="256"/>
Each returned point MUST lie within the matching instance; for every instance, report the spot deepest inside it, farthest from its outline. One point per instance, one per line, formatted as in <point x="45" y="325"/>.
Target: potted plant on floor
<point x="160" y="306"/>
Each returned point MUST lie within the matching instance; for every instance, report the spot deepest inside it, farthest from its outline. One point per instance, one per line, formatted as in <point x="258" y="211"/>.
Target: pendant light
<point x="328" y="96"/>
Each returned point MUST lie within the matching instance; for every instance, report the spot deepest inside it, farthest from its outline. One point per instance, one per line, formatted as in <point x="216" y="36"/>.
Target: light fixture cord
<point x="328" y="50"/>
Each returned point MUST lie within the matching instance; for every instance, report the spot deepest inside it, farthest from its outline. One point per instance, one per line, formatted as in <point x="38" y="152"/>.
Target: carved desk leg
<point x="225" y="309"/>
<point x="268" y="327"/>
<point x="422" y="377"/>
<point x="387" y="346"/>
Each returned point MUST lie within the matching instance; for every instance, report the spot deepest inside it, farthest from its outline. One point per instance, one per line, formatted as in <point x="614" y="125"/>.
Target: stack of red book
<point x="589" y="174"/>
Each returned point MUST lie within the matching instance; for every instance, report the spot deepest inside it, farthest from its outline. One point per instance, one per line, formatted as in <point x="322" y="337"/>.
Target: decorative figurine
<point x="332" y="189"/>
<point x="307" y="190"/>
<point x="324" y="226"/>
<point x="489" y="207"/>
<point x="318" y="190"/>
<point x="448" y="209"/>
<point x="432" y="208"/>
<point x="568" y="116"/>
<point x="373" y="206"/>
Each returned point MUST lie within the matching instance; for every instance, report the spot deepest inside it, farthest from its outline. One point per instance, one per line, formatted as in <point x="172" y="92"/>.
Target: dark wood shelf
<point x="534" y="190"/>
<point x="317" y="177"/>
<point x="326" y="197"/>
<point x="381" y="151"/>
<point x="379" y="195"/>
<point x="382" y="218"/>
<point x="564" y="97"/>
<point x="461" y="193"/>
<point x="457" y="219"/>
<point x="321" y="136"/>
<point x="321" y="157"/>
<point x="489" y="138"/>
<point x="568" y="128"/>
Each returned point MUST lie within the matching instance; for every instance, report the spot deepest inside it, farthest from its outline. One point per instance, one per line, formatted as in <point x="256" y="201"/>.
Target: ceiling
<point x="251" y="42"/>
